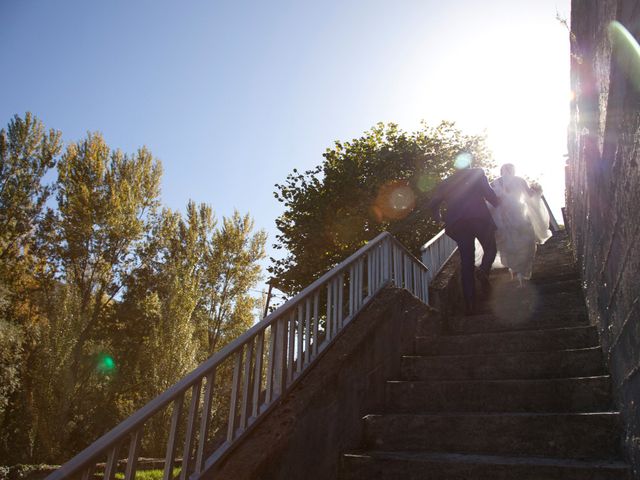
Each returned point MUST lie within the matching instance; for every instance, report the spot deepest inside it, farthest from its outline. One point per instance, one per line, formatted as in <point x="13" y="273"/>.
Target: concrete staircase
<point x="517" y="392"/>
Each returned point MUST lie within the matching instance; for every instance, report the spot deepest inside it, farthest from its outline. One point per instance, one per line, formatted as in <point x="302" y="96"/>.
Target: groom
<point x="467" y="218"/>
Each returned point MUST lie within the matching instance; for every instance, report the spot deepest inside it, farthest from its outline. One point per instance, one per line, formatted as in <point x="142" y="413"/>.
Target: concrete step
<point x="525" y="320"/>
<point x="586" y="362"/>
<point x="567" y="284"/>
<point x="553" y="267"/>
<point x="564" y="272"/>
<point x="558" y="435"/>
<point x="513" y="341"/>
<point x="587" y="394"/>
<point x="382" y="465"/>
<point x="559" y="304"/>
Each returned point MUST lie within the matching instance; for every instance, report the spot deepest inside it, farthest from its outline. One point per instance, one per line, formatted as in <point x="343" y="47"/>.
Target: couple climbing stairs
<point x="519" y="391"/>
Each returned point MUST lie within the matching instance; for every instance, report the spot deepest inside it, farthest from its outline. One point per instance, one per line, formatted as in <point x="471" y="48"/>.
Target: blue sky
<point x="232" y="95"/>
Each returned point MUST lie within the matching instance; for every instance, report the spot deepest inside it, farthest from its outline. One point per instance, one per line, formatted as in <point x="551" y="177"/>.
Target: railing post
<point x="280" y="375"/>
<point x="134" y="451"/>
<point x="291" y="366"/>
<point x="191" y="431"/>
<point x="386" y="260"/>
<point x="204" y="420"/>
<point x="173" y="437"/>
<point x="246" y="386"/>
<point x="328" y="327"/>
<point x="292" y="336"/>
<point x="352" y="290"/>
<point x="360" y="292"/>
<point x="235" y="390"/>
<point x="340" y="288"/>
<point x="272" y="361"/>
<point x="300" y="350"/>
<point x="112" y="463"/>
<point x="257" y="375"/>
<point x="307" y="331"/>
<point x="369" y="274"/>
<point x="316" y="323"/>
<point x="87" y="474"/>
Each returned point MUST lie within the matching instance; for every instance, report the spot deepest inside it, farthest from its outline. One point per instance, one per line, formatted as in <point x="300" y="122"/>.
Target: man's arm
<point x="488" y="192"/>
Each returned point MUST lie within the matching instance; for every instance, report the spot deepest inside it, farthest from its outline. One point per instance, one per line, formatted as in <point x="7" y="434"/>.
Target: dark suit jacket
<point x="464" y="194"/>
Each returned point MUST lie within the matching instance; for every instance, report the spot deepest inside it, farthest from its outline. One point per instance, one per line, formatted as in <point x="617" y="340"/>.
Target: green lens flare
<point x="427" y="182"/>
<point x="106" y="363"/>
<point x="463" y="160"/>
<point x="626" y="51"/>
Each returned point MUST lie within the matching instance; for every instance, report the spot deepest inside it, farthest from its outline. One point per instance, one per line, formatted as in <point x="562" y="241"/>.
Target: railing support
<point x="294" y="336"/>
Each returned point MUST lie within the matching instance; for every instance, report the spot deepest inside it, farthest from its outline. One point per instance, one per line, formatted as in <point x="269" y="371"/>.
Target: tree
<point x="380" y="181"/>
<point x="104" y="301"/>
<point x="226" y="307"/>
<point x="189" y="296"/>
<point x="103" y="199"/>
<point x="27" y="153"/>
<point x="155" y="316"/>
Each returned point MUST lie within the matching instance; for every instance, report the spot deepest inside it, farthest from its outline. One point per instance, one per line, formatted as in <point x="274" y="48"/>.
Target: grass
<point x="148" y="474"/>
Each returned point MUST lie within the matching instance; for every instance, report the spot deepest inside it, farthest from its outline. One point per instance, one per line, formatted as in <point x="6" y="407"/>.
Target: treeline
<point x="106" y="298"/>
<point x="378" y="182"/>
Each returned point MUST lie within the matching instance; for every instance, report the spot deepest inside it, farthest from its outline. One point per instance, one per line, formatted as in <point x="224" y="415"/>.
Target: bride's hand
<point x="536" y="188"/>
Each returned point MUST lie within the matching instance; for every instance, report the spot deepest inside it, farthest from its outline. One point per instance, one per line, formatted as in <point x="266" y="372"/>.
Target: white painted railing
<point x="242" y="381"/>
<point x="553" y="224"/>
<point x="436" y="252"/>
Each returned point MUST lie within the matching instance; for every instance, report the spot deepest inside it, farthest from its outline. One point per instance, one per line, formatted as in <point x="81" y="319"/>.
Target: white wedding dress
<point x="523" y="223"/>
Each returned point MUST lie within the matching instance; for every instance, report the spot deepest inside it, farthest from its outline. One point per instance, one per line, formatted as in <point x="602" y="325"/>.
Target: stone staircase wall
<point x="603" y="193"/>
<point x="305" y="435"/>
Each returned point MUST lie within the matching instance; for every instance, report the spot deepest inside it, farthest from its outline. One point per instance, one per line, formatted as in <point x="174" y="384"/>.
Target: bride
<point x="522" y="222"/>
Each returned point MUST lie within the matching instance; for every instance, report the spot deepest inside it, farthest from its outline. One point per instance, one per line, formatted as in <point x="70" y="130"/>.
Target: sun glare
<point x="514" y="87"/>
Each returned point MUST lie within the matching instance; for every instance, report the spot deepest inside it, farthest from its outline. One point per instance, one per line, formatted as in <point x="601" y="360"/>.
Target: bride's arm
<point x="531" y="190"/>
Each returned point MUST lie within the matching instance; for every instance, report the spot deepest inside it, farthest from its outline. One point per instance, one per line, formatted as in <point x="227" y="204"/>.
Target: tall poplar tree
<point x="104" y="199"/>
<point x="104" y="300"/>
<point x="27" y="153"/>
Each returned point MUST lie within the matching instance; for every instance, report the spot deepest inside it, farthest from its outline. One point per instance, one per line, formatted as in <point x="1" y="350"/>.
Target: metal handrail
<point x="553" y="223"/>
<point x="437" y="252"/>
<point x="268" y="359"/>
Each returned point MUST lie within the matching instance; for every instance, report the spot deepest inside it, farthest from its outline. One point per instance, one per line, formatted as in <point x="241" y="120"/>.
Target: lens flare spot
<point x="427" y="182"/>
<point x="626" y="51"/>
<point x="106" y="364"/>
<point x="395" y="200"/>
<point x="463" y="160"/>
<point x="402" y="198"/>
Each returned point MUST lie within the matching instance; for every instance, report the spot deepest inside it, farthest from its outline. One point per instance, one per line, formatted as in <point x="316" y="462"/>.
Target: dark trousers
<point x="465" y="232"/>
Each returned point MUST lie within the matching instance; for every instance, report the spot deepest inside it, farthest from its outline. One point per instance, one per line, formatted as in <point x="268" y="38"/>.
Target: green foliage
<point x="27" y="152"/>
<point x="188" y="298"/>
<point x="10" y="357"/>
<point x="103" y="197"/>
<point x="105" y="300"/>
<point x="371" y="184"/>
<point x="226" y="309"/>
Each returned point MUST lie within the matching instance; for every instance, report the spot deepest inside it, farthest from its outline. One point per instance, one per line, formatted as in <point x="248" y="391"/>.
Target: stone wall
<point x="603" y="190"/>
<point x="305" y="435"/>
